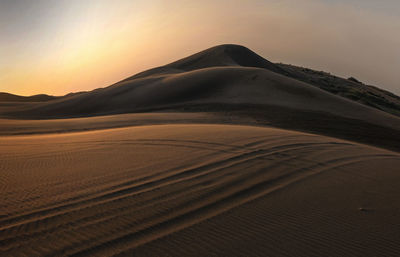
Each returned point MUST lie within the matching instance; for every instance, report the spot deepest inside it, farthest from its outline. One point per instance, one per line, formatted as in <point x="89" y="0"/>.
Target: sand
<point x="50" y="126"/>
<point x="197" y="190"/>
<point x="227" y="81"/>
<point x="228" y="75"/>
<point x="222" y="153"/>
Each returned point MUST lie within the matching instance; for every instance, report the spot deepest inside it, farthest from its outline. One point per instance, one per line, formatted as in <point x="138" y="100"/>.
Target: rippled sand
<point x="197" y="190"/>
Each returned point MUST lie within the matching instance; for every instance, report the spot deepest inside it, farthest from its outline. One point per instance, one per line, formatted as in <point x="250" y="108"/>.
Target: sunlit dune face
<point x="56" y="47"/>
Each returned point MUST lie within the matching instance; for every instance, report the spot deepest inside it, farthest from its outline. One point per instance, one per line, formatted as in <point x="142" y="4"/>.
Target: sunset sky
<point x="61" y="46"/>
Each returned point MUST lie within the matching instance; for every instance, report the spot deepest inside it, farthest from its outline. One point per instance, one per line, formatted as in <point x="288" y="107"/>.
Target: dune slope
<point x="196" y="190"/>
<point x="350" y="88"/>
<point x="249" y="92"/>
<point x="234" y="83"/>
<point x="226" y="74"/>
<point x="203" y="172"/>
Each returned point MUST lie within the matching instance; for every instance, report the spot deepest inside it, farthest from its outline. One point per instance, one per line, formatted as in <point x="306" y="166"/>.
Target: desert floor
<point x="193" y="190"/>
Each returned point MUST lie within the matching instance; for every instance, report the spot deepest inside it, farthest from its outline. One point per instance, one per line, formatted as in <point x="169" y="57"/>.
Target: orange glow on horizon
<point x="93" y="45"/>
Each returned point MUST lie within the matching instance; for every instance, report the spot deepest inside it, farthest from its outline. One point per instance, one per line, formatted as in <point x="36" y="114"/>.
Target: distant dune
<point x="5" y="97"/>
<point x="222" y="153"/>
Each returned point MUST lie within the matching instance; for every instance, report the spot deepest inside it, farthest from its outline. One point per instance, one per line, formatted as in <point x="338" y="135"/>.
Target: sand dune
<point x="196" y="190"/>
<point x="305" y="121"/>
<point x="235" y="85"/>
<point x="231" y="81"/>
<point x="226" y="74"/>
<point x="184" y="160"/>
<point x="218" y="56"/>
<point x="227" y="80"/>
<point x="6" y="97"/>
<point x="51" y="126"/>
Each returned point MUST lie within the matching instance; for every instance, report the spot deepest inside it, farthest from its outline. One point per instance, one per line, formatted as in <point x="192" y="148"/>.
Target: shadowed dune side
<point x="196" y="190"/>
<point x="350" y="88"/>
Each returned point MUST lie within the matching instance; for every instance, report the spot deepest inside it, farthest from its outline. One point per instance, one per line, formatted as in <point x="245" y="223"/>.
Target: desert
<point x="222" y="153"/>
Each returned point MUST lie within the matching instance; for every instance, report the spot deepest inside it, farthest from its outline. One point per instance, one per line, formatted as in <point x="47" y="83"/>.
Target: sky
<point x="61" y="46"/>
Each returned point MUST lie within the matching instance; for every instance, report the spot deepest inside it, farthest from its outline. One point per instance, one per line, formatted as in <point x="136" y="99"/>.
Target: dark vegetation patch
<point x="350" y="88"/>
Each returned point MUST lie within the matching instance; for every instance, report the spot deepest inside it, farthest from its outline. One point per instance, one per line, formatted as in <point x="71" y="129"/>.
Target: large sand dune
<point x="203" y="171"/>
<point x="226" y="74"/>
<point x="229" y="80"/>
<point x="197" y="190"/>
